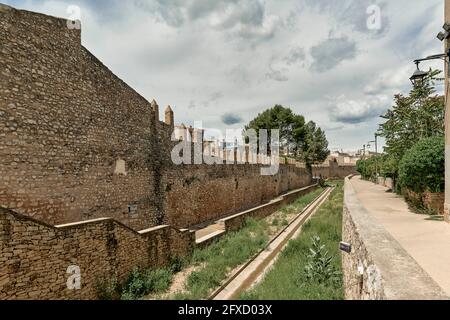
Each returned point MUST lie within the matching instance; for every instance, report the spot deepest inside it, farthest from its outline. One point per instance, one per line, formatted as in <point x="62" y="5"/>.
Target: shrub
<point x="140" y="284"/>
<point x="389" y="167"/>
<point x="423" y="166"/>
<point x="320" y="268"/>
<point x="135" y="286"/>
<point x="322" y="183"/>
<point x="368" y="168"/>
<point x="177" y="263"/>
<point x="159" y="280"/>
<point x="108" y="289"/>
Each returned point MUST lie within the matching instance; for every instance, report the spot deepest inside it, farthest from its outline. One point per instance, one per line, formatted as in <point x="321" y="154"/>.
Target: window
<point x="132" y="209"/>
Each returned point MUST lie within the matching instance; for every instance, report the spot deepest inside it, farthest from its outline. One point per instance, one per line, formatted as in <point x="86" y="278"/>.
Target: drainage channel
<point x="253" y="271"/>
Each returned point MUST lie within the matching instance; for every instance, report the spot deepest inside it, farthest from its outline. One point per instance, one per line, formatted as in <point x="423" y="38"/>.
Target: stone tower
<point x="155" y="109"/>
<point x="169" y="118"/>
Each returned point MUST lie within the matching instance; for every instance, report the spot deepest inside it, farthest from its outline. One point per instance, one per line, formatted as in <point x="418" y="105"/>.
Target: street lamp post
<point x="376" y="143"/>
<point x="376" y="152"/>
<point x="419" y="76"/>
<point x="363" y="159"/>
<point x="376" y="155"/>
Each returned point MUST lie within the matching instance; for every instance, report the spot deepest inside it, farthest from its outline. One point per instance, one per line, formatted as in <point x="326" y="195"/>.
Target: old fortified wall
<point x="333" y="170"/>
<point x="79" y="147"/>
<point x="66" y="122"/>
<point x="77" y="143"/>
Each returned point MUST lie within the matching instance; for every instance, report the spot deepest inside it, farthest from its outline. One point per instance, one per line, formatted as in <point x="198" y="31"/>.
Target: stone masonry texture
<point x="66" y="120"/>
<point x="77" y="143"/>
<point x="79" y="147"/>
<point x="35" y="257"/>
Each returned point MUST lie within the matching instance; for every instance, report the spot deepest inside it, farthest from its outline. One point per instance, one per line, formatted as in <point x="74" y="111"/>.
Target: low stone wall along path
<point x="425" y="239"/>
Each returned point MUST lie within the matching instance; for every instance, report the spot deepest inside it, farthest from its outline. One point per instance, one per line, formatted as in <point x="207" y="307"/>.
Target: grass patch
<point x="221" y="257"/>
<point x="140" y="283"/>
<point x="234" y="249"/>
<point x="302" y="272"/>
<point x="302" y="202"/>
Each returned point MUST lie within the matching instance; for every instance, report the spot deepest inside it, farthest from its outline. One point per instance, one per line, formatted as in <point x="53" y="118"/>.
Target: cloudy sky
<point x="224" y="61"/>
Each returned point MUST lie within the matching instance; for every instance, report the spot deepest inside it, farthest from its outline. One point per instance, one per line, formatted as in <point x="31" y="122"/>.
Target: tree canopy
<point x="314" y="149"/>
<point x="413" y="118"/>
<point x="303" y="141"/>
<point x="414" y="129"/>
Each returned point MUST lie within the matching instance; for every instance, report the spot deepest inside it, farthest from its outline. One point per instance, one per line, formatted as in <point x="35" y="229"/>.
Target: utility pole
<point x="447" y="122"/>
<point x="376" y="154"/>
<point x="364" y="157"/>
<point x="376" y="143"/>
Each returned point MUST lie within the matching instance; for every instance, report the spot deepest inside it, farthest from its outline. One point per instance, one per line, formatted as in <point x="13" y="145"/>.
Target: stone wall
<point x="378" y="268"/>
<point x="35" y="257"/>
<point x="195" y="194"/>
<point x="434" y="202"/>
<point x="234" y="222"/>
<point x="386" y="182"/>
<point x="77" y="143"/>
<point x="333" y="170"/>
<point x="67" y="123"/>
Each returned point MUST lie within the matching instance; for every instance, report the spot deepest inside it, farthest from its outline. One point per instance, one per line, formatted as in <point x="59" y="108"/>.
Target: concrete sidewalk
<point x="427" y="241"/>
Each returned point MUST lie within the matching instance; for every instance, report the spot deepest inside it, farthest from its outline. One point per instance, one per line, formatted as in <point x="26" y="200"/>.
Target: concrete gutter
<point x="255" y="269"/>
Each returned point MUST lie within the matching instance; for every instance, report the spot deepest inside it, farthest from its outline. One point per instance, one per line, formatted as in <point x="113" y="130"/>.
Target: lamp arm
<point x="442" y="56"/>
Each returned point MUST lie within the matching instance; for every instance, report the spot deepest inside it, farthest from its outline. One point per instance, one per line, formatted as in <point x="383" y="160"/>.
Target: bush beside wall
<point x="423" y="167"/>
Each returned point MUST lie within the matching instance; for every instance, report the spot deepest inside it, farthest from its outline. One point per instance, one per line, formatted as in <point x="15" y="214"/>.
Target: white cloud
<point x="395" y="80"/>
<point x="331" y="52"/>
<point x="277" y="75"/>
<point x="238" y="57"/>
<point x="345" y="110"/>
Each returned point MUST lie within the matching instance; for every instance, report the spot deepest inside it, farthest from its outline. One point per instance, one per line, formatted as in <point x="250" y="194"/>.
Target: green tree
<point x="368" y="168"/>
<point x="417" y="116"/>
<point x="314" y="149"/>
<point x="305" y="142"/>
<point x="291" y="126"/>
<point x="388" y="167"/>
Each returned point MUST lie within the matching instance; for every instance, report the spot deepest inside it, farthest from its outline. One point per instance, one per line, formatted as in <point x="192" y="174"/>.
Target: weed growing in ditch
<point x="320" y="268"/>
<point x="234" y="249"/>
<point x="222" y="257"/>
<point x="216" y="261"/>
<point x="140" y="284"/>
<point x="299" y="274"/>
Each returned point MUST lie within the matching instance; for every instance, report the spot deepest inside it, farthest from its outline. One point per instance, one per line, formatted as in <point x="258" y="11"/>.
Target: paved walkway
<point x="427" y="241"/>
